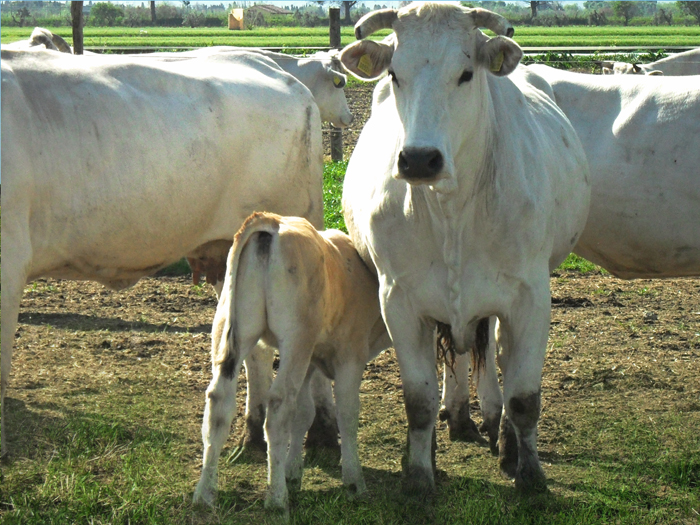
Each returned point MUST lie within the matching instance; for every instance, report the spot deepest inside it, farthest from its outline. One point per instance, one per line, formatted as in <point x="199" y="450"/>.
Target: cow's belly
<point x="643" y="221"/>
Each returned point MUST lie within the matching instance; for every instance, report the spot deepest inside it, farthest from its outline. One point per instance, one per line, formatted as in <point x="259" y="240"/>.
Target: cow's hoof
<point x="530" y="479"/>
<point x="490" y="428"/>
<point x="465" y="431"/>
<point x="418" y="482"/>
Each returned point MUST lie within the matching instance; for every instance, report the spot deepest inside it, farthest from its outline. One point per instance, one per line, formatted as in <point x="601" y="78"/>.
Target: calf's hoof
<point x="204" y="496"/>
<point x="278" y="510"/>
<point x="355" y="490"/>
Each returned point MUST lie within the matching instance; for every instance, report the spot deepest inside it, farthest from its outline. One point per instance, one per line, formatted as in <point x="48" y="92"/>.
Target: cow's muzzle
<point x="420" y="165"/>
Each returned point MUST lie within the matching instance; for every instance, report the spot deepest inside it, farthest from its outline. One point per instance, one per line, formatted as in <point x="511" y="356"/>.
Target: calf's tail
<point x="263" y="226"/>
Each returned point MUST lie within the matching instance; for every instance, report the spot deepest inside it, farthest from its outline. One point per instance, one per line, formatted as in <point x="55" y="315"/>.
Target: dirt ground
<point x="639" y="338"/>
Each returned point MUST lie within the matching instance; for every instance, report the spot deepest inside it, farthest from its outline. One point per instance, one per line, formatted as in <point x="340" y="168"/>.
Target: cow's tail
<point x="264" y="226"/>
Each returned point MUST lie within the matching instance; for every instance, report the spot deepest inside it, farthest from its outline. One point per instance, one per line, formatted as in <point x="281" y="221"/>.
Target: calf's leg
<point x="347" y="401"/>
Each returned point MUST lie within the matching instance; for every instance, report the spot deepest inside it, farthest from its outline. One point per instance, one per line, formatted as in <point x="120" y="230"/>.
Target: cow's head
<point x="328" y="88"/>
<point x="438" y="61"/>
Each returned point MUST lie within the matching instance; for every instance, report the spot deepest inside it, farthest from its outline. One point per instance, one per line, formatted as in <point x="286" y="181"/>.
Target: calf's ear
<point x="366" y="59"/>
<point x="500" y="55"/>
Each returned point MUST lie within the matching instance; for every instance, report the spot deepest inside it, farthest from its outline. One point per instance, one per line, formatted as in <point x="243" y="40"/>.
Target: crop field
<point x="106" y="395"/>
<point x="318" y="37"/>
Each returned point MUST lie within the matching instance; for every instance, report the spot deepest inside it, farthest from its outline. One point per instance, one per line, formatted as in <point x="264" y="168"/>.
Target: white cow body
<point x="122" y="167"/>
<point x="310" y="295"/>
<point x="677" y="64"/>
<point x="465" y="190"/>
<point x="320" y="72"/>
<point x="641" y="139"/>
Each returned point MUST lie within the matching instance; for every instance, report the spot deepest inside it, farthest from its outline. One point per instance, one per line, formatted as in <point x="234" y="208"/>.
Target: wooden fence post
<point x="76" y="13"/>
<point x="336" y="133"/>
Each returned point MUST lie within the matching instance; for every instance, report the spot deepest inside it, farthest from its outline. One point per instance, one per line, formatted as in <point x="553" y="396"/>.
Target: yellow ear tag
<point x="336" y="81"/>
<point x="365" y="65"/>
<point x="497" y="62"/>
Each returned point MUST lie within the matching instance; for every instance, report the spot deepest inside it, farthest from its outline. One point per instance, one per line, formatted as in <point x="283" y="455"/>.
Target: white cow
<point x="466" y="188"/>
<point x="320" y="72"/>
<point x="641" y="139"/>
<point x="100" y="169"/>
<point x="41" y="39"/>
<point x="310" y="295"/>
<point x="677" y="64"/>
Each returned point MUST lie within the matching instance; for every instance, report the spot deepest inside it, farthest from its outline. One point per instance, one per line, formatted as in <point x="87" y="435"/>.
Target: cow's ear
<point x="367" y="59"/>
<point x="500" y="55"/>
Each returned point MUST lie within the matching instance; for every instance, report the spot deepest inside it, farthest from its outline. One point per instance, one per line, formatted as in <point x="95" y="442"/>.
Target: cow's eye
<point x="466" y="77"/>
<point x="393" y="77"/>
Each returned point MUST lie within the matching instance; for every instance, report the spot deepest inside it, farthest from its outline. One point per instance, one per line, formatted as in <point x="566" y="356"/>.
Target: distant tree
<point x="193" y="18"/>
<point x="23" y="15"/>
<point x="346" y="7"/>
<point x="534" y="6"/>
<point x="624" y="9"/>
<point x="105" y="14"/>
<point x="690" y="8"/>
<point x="662" y="17"/>
<point x="76" y="13"/>
<point x="154" y="17"/>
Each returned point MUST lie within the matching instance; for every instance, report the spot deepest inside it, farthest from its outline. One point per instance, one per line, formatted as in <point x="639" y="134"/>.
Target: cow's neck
<point x="462" y="216"/>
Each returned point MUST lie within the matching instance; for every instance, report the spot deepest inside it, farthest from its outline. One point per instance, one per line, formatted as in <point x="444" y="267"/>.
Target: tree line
<point x="314" y="14"/>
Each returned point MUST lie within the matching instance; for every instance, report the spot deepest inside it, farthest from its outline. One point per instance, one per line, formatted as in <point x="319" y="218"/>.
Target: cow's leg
<point x="415" y="351"/>
<point x="258" y="367"/>
<point x="523" y="347"/>
<point x="490" y="396"/>
<point x="323" y="434"/>
<point x="303" y="418"/>
<point x="219" y="410"/>
<point x="295" y="356"/>
<point x="455" y="401"/>
<point x="14" y="277"/>
<point x="347" y="398"/>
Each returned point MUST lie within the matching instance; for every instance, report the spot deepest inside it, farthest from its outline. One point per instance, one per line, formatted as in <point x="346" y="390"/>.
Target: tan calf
<point x="309" y="294"/>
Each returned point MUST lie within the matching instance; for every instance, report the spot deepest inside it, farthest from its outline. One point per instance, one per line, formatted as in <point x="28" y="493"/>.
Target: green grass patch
<point x="318" y="36"/>
<point x="333" y="176"/>
<point x="578" y="264"/>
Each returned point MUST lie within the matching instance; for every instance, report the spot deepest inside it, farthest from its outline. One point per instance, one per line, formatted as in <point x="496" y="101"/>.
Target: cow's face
<point x="328" y="89"/>
<point x="438" y="62"/>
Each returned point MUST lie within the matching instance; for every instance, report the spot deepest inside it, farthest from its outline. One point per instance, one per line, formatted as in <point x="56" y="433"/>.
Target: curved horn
<point x="374" y="21"/>
<point x="61" y="44"/>
<point x="41" y="36"/>
<point x="492" y="21"/>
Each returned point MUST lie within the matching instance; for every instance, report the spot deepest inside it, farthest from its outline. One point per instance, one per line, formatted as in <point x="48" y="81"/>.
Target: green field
<point x="318" y="37"/>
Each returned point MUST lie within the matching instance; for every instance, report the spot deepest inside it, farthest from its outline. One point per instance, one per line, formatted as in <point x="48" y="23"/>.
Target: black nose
<point x="420" y="164"/>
